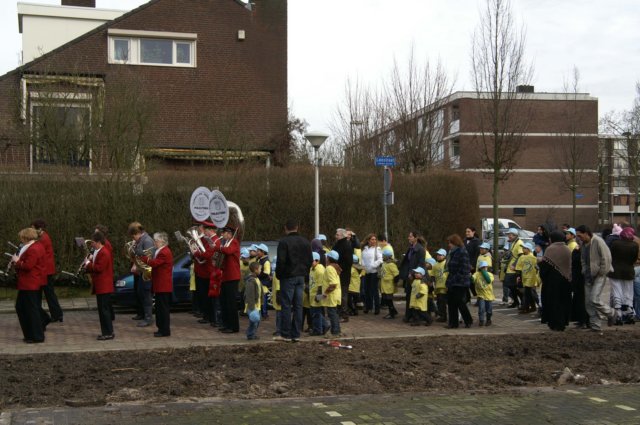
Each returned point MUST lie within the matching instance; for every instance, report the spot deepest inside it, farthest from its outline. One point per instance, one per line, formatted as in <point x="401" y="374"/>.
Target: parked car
<point x="124" y="294"/>
<point x="524" y="235"/>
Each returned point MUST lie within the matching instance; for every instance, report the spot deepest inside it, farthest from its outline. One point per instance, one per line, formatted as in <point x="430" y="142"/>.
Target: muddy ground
<point x="442" y="364"/>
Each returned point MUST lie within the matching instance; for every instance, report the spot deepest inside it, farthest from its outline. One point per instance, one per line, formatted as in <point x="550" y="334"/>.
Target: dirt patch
<point x="443" y="364"/>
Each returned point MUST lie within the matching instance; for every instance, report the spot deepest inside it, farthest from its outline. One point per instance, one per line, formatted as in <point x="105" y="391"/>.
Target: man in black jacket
<point x="344" y="247"/>
<point x="292" y="269"/>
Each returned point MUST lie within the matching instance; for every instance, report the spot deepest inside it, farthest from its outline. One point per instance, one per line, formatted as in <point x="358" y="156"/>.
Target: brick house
<point x="536" y="191"/>
<point x="204" y="80"/>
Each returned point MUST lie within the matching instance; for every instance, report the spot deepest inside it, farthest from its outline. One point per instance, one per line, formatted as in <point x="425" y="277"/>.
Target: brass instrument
<point x="194" y="240"/>
<point x="130" y="248"/>
<point x="11" y="263"/>
<point x="85" y="244"/>
<point x="236" y="220"/>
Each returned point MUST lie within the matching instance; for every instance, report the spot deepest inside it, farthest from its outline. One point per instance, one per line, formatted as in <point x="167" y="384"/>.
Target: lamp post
<point x="316" y="139"/>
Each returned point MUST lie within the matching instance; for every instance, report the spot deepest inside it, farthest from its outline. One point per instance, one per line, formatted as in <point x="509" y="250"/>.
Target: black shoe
<point x="203" y="321"/>
<point x="105" y="337"/>
<point x="58" y="319"/>
<point x="513" y="305"/>
<point x="34" y="341"/>
<point x="389" y="316"/>
<point x="137" y="318"/>
<point x="214" y="325"/>
<point x="376" y="312"/>
<point x="223" y="329"/>
<point x="468" y="325"/>
<point x="229" y="331"/>
<point x="160" y="334"/>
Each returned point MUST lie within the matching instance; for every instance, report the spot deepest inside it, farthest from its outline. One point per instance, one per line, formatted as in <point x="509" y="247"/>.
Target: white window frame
<point x="135" y="37"/>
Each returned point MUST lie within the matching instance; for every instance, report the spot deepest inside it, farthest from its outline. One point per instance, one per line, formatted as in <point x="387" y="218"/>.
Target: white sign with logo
<point x="218" y="209"/>
<point x="199" y="203"/>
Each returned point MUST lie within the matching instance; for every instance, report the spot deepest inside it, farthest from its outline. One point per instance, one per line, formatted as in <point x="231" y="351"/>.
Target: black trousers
<point x="137" y="281"/>
<point x="456" y="296"/>
<point x="45" y="319"/>
<point x="28" y="305"/>
<point x="52" y="300"/>
<point x="229" y="306"/>
<point x="103" y="302"/>
<point x="441" y="301"/>
<point x="163" y="307"/>
<point x="202" y="297"/>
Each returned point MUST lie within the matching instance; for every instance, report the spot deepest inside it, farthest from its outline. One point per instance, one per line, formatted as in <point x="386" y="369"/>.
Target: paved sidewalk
<point x="594" y="405"/>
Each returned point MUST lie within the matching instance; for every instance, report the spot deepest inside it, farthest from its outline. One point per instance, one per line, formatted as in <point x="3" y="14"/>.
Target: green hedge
<point x="435" y="204"/>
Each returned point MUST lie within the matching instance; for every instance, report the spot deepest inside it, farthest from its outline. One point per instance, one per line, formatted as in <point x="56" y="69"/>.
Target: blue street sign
<point x="385" y="161"/>
<point x="579" y="195"/>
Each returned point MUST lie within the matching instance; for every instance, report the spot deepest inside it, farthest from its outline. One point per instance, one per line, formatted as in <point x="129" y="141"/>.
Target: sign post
<point x="387" y="196"/>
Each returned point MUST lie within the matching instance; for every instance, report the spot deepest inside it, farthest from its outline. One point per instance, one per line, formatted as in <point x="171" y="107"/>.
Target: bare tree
<point x="498" y="68"/>
<point x="625" y="149"/>
<point x="402" y="118"/>
<point x="574" y="158"/>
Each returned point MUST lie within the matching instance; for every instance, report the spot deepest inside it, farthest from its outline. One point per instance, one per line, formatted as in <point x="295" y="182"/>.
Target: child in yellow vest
<point x="244" y="267"/>
<point x="389" y="276"/>
<point x="319" y="323"/>
<point x="527" y="269"/>
<point x="483" y="281"/>
<point x="253" y="299"/>
<point x="354" y="287"/>
<point x="439" y="275"/>
<point x="331" y="292"/>
<point x="485" y="255"/>
<point x="275" y="297"/>
<point x="418" y="314"/>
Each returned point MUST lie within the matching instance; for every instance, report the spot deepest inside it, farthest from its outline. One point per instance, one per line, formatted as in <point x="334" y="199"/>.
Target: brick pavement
<point x="594" y="405"/>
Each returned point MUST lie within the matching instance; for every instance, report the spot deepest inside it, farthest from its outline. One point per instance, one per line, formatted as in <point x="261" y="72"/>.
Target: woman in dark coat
<point x="624" y="254"/>
<point x="555" y="273"/>
<point x="541" y="238"/>
<point x="458" y="282"/>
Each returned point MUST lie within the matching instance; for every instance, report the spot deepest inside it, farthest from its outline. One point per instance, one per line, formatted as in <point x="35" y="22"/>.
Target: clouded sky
<point x="333" y="40"/>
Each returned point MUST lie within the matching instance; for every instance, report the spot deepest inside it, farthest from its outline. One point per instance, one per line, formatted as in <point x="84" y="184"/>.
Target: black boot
<point x="488" y="322"/>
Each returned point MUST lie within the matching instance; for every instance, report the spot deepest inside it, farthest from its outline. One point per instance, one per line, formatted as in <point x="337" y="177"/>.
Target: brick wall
<point x="236" y="83"/>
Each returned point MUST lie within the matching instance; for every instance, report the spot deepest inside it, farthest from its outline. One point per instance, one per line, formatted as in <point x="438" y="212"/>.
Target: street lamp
<point x="317" y="139"/>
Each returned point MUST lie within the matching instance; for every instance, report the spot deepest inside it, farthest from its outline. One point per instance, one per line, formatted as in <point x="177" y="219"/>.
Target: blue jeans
<point x="291" y="293"/>
<point x="636" y="292"/>
<point x="334" y="318"/>
<point x="252" y="329"/>
<point x="484" y="307"/>
<point x="278" y="322"/>
<point x="319" y="323"/>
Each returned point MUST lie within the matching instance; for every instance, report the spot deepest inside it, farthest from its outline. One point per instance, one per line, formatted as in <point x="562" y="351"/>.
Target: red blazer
<point x="101" y="270"/>
<point x="161" y="270"/>
<point x="204" y="270"/>
<point x="107" y="245"/>
<point x="231" y="264"/>
<point x="30" y="268"/>
<point x="49" y="262"/>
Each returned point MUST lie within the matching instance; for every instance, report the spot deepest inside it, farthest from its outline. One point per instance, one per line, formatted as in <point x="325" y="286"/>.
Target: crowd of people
<point x="561" y="275"/>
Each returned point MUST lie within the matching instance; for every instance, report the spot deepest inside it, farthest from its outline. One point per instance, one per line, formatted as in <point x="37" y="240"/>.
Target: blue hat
<point x="528" y="245"/>
<point x="442" y="252"/>
<point x="355" y="258"/>
<point x="419" y="270"/>
<point x="333" y="255"/>
<point x="262" y="247"/>
<point x="431" y="261"/>
<point x="387" y="252"/>
<point x="316" y="256"/>
<point x="253" y="247"/>
<point x="571" y="230"/>
<point x="244" y="253"/>
<point x="322" y="237"/>
<point x="513" y="231"/>
<point x="483" y="264"/>
<point x="485" y="245"/>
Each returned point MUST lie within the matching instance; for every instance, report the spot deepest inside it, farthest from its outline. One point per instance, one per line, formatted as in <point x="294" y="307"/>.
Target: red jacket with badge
<point x="204" y="269"/>
<point x="231" y="264"/>
<point x="101" y="270"/>
<point x="161" y="270"/>
<point x="30" y="268"/>
<point x="49" y="262"/>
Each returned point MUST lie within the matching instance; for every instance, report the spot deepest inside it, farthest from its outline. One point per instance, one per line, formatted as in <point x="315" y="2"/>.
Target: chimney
<point x="79" y="3"/>
<point x="524" y="89"/>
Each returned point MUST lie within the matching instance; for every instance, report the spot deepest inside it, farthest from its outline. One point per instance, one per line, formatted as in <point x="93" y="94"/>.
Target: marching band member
<point x="230" y="247"/>
<point x="100" y="266"/>
<point x="105" y="231"/>
<point x="50" y="269"/>
<point x="142" y="287"/>
<point x="162" y="278"/>
<point x="30" y="269"/>
<point x="209" y="306"/>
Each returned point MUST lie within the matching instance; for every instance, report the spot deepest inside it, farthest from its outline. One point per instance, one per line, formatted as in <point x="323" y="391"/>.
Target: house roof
<point x="102" y="27"/>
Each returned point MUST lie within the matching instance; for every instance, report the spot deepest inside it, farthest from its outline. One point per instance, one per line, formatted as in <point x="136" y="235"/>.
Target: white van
<point x="503" y="225"/>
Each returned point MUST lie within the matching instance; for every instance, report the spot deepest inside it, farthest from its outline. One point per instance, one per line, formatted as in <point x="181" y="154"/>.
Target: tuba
<point x="130" y="249"/>
<point x="193" y="239"/>
<point x="236" y="220"/>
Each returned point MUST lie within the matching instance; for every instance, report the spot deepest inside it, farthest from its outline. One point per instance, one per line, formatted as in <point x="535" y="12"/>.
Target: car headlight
<point x="121" y="284"/>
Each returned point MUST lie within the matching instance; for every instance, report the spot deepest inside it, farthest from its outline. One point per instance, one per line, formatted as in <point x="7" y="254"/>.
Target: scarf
<point x="558" y="256"/>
